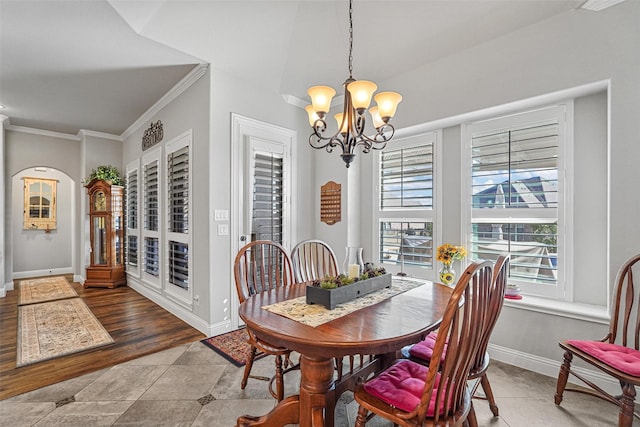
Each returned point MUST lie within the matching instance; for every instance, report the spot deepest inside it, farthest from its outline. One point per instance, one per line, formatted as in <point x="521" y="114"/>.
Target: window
<point x="132" y="217"/>
<point x="405" y="214"/>
<point x="177" y="162"/>
<point x="514" y="189"/>
<point x="151" y="200"/>
<point x="267" y="215"/>
<point x="39" y="204"/>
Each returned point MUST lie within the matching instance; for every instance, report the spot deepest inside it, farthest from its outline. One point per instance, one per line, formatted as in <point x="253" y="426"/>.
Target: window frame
<point x="256" y="145"/>
<point x="155" y="282"/>
<point x="563" y="113"/>
<point x="133" y="167"/>
<point x="411" y="214"/>
<point x="178" y="293"/>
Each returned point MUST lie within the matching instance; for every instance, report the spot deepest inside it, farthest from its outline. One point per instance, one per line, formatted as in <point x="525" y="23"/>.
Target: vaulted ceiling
<point x="99" y="65"/>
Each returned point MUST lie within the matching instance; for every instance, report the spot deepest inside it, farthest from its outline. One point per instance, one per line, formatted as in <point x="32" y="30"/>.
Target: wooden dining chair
<point x="422" y="351"/>
<point x="412" y="394"/>
<point x="617" y="354"/>
<point x="258" y="267"/>
<point x="313" y="260"/>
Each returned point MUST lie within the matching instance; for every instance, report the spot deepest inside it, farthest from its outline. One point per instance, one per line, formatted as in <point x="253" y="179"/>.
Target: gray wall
<point x="73" y="156"/>
<point x="24" y="151"/>
<point x="570" y="50"/>
<point x="189" y="111"/>
<point x="231" y="95"/>
<point x="36" y="252"/>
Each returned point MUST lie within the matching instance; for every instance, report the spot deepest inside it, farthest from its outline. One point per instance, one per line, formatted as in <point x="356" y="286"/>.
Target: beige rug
<point x="32" y="291"/>
<point x="56" y="328"/>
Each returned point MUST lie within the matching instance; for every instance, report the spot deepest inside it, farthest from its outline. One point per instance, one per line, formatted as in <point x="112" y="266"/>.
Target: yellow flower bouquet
<point x="446" y="254"/>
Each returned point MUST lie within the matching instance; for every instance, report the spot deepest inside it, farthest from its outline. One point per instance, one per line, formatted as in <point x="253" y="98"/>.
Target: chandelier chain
<point x="350" y="38"/>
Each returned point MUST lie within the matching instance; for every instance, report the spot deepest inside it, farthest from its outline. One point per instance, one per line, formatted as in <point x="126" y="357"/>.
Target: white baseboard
<point x="42" y="273"/>
<point x="178" y="310"/>
<point x="550" y="367"/>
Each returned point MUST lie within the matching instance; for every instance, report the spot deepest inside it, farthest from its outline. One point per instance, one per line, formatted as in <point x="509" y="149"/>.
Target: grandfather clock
<point x="106" y="219"/>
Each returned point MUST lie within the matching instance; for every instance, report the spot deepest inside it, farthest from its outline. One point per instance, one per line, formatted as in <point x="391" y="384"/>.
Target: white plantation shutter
<point x="406" y="204"/>
<point x="523" y="161"/>
<point x="268" y="196"/>
<point x="151" y="196"/>
<point x="515" y="196"/>
<point x="178" y="216"/>
<point x="406" y="177"/>
<point x="152" y="256"/>
<point x="178" y="191"/>
<point x="179" y="264"/>
<point x="132" y="218"/>
<point x="151" y="212"/>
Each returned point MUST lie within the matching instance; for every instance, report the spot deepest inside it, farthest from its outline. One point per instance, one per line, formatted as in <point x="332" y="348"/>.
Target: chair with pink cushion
<point x="617" y="354"/>
<point x="422" y="352"/>
<point x="412" y="394"/>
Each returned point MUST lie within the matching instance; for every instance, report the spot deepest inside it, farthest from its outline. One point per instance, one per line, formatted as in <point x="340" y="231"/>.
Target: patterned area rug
<point x="56" y="328"/>
<point x="232" y="346"/>
<point x="45" y="289"/>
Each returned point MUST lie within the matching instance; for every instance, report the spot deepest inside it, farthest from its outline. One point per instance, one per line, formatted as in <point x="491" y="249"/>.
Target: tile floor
<point x="191" y="385"/>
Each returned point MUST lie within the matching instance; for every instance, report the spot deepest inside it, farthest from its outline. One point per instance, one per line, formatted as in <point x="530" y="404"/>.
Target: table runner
<point x="315" y="314"/>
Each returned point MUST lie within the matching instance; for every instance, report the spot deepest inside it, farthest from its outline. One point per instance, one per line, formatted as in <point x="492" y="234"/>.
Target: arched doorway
<point x="42" y="250"/>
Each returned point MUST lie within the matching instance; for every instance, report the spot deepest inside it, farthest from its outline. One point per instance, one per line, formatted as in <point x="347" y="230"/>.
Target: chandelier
<point x="351" y="122"/>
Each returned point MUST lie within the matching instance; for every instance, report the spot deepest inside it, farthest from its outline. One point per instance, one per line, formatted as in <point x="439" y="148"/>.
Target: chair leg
<point x="339" y="367"/>
<point x="563" y="376"/>
<point x="471" y="420"/>
<point x="361" y="420"/>
<point x="247" y="367"/>
<point x="486" y="387"/>
<point x="279" y="379"/>
<point x="625" y="417"/>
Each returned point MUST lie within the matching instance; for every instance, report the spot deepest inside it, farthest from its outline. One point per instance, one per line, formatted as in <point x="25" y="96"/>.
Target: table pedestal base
<point x="309" y="408"/>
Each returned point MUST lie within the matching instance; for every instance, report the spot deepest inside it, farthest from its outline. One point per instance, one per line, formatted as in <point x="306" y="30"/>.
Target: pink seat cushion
<point x="622" y="358"/>
<point x="424" y="349"/>
<point x="402" y="386"/>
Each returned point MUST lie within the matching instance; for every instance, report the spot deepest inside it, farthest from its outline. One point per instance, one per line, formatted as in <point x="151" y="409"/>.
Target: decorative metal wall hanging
<point x="153" y="135"/>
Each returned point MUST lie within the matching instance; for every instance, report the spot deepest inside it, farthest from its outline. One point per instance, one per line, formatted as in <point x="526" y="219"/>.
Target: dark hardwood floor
<point x="138" y="326"/>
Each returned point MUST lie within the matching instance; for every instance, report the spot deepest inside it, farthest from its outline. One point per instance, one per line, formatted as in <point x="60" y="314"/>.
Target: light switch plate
<point x="221" y="215"/>
<point x="223" y="229"/>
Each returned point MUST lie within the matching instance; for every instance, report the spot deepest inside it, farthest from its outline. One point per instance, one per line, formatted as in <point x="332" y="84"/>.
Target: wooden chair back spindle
<point x="313" y="260"/>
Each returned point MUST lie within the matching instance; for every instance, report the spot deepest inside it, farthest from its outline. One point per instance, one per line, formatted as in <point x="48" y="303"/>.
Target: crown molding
<point x="598" y="5"/>
<point x="295" y="101"/>
<point x="42" y="132"/>
<point x="337" y="100"/>
<point x="177" y="90"/>
<point x="85" y="132"/>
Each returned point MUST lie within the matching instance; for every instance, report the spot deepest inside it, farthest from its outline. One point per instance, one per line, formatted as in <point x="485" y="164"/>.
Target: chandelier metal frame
<point x="351" y="129"/>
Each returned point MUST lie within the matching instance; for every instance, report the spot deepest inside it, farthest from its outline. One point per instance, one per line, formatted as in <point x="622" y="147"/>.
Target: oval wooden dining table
<point x="380" y="329"/>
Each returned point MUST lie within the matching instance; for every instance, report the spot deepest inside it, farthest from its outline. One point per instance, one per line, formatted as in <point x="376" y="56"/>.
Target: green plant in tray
<point x="330" y="282"/>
